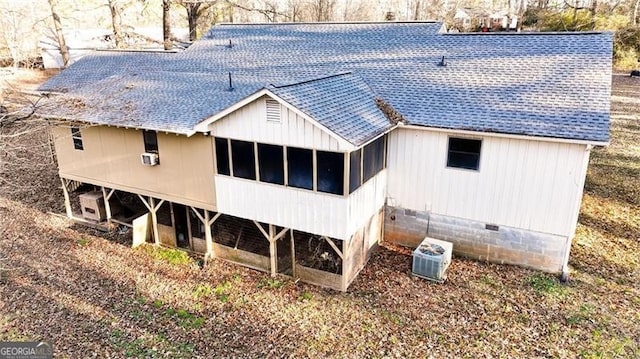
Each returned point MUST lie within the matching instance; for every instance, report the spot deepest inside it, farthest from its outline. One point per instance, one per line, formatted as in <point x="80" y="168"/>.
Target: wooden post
<point x="107" y="206"/>
<point x="273" y="252"/>
<point x="207" y="230"/>
<point x="67" y="202"/>
<point x="207" y="236"/>
<point x="293" y="256"/>
<point x="186" y="212"/>
<point x="344" y="255"/>
<point x="154" y="222"/>
<point x="153" y="208"/>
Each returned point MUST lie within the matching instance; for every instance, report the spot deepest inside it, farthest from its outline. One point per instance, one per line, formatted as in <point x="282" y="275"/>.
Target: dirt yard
<point x="93" y="297"/>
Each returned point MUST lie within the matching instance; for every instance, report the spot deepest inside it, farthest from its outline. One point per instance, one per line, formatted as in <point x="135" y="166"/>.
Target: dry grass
<point x="91" y="296"/>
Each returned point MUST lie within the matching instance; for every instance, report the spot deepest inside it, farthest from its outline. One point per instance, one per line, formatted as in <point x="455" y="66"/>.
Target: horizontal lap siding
<point x="533" y="185"/>
<point x="249" y="123"/>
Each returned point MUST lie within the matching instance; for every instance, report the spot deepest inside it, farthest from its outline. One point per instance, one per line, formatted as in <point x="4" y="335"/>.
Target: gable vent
<point x="273" y="110"/>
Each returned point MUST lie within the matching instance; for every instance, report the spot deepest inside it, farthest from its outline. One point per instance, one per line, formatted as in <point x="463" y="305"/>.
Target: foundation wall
<point x="472" y="239"/>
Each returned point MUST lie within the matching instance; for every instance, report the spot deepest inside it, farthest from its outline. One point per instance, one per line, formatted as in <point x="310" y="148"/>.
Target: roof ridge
<point x="312" y="80"/>
<point x="525" y="33"/>
<point x="330" y="23"/>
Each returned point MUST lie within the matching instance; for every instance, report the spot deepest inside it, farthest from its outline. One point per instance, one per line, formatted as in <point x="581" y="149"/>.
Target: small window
<point x="150" y="141"/>
<point x="243" y="159"/>
<point x="354" y="170"/>
<point x="271" y="163"/>
<point x="330" y="172"/>
<point x="77" y="138"/>
<point x="273" y="110"/>
<point x="464" y="153"/>
<point x="222" y="156"/>
<point x="373" y="158"/>
<point x="300" y="167"/>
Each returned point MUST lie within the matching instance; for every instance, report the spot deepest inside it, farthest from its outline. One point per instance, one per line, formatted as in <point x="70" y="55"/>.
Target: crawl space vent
<point x="431" y="259"/>
<point x="273" y="110"/>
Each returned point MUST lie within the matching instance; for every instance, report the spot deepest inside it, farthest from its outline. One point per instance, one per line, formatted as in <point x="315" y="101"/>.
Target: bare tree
<point x="268" y="9"/>
<point x="294" y="10"/>
<point x="634" y="14"/>
<point x="520" y="15"/>
<point x="64" y="50"/>
<point x="166" y="24"/>
<point x="195" y="10"/>
<point x="12" y="32"/>
<point x="323" y="10"/>
<point x="116" y="22"/>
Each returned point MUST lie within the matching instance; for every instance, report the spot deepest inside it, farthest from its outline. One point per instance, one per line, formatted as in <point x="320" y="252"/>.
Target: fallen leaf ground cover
<point x="91" y="295"/>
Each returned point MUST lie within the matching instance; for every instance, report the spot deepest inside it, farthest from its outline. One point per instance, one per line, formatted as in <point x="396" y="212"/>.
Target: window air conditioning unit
<point x="149" y="159"/>
<point x="431" y="259"/>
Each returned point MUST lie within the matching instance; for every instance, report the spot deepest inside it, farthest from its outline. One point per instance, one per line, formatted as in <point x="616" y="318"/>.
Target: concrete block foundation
<point x="476" y="240"/>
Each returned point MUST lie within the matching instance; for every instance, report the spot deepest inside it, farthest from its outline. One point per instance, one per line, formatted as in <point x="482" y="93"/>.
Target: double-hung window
<point x="77" y="138"/>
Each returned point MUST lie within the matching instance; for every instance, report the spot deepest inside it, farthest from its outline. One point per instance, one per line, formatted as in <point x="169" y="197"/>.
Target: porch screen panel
<point x="373" y="158"/>
<point x="330" y="172"/>
<point x="354" y="170"/>
<point x="271" y="163"/>
<point x="222" y="156"/>
<point x="300" y="167"/>
<point x="243" y="159"/>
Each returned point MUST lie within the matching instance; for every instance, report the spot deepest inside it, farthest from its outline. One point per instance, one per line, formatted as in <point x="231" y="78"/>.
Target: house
<point x="462" y="20"/>
<point x="503" y="20"/>
<point x="296" y="148"/>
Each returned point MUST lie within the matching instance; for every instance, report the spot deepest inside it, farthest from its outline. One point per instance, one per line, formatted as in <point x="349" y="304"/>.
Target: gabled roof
<point x="542" y="84"/>
<point x="342" y="103"/>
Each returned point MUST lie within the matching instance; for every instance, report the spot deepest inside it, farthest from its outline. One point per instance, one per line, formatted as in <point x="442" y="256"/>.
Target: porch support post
<point x="273" y="250"/>
<point x="154" y="222"/>
<point x="107" y="207"/>
<point x="346" y="247"/>
<point x="207" y="237"/>
<point x="67" y="202"/>
<point x="153" y="208"/>
<point x="293" y="256"/>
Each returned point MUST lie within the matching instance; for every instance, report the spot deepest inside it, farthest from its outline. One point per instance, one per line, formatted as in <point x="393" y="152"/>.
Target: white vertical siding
<point x="318" y="213"/>
<point x="250" y="123"/>
<point x="302" y="210"/>
<point x="366" y="201"/>
<point x="528" y="184"/>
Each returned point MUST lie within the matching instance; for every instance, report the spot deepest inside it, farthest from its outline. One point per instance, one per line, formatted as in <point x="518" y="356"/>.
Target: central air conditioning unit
<point x="431" y="259"/>
<point x="149" y="159"/>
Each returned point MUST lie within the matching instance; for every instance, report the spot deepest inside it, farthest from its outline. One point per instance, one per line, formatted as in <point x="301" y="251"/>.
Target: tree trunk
<point x="192" y="17"/>
<point x="520" y="16"/>
<point x="166" y="25"/>
<point x="594" y="7"/>
<point x="575" y="16"/>
<point x="634" y="21"/>
<point x="64" y="50"/>
<point x="416" y="13"/>
<point x="116" y="23"/>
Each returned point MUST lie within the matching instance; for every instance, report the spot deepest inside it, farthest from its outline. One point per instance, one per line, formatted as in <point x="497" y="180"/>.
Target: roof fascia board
<point x="506" y="135"/>
<point x="58" y="118"/>
<point x="372" y="139"/>
<point x="203" y="125"/>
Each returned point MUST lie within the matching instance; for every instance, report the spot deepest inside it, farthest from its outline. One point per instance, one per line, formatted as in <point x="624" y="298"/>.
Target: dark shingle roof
<point x="551" y="85"/>
<point x="342" y="103"/>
